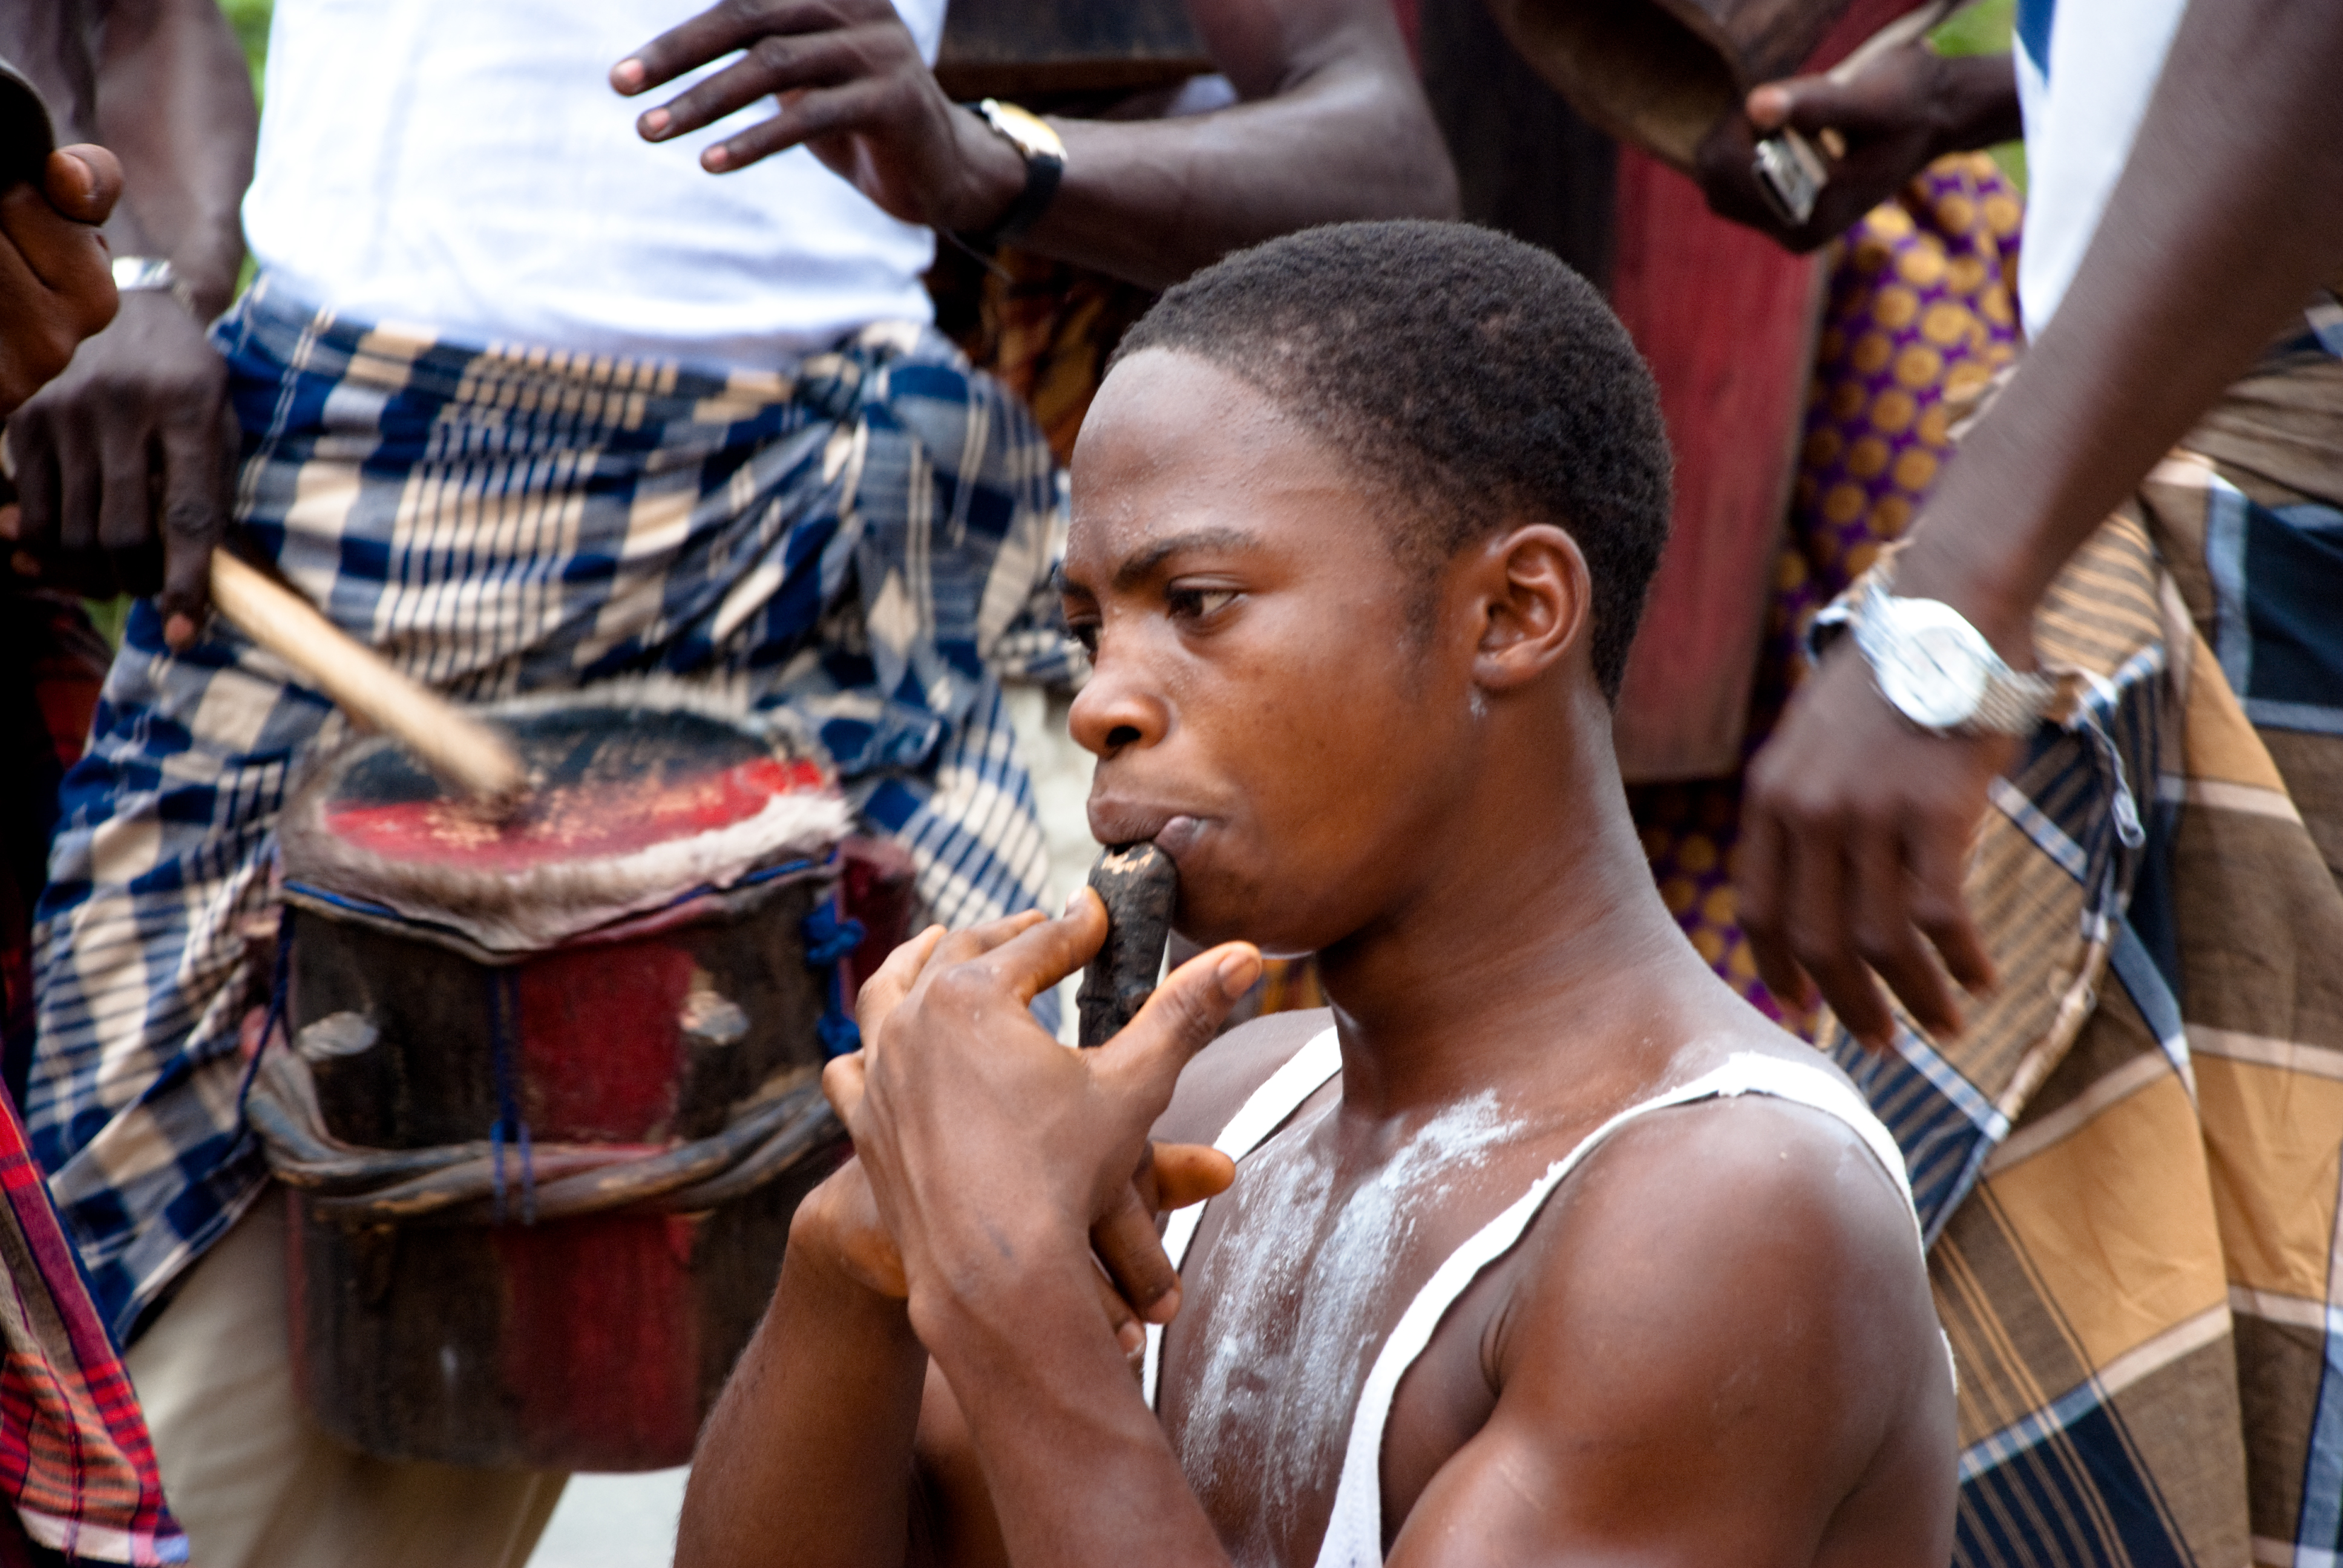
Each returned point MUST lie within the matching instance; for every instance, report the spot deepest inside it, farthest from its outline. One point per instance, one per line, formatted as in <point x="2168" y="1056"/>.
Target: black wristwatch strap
<point x="1043" y="173"/>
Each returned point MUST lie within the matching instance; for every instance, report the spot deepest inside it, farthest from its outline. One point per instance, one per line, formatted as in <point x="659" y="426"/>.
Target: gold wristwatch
<point x="1045" y="165"/>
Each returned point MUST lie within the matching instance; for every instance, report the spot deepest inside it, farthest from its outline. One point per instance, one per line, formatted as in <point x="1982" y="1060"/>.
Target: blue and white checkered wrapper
<point x="867" y="537"/>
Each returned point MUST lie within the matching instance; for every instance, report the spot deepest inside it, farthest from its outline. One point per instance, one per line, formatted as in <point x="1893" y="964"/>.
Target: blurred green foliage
<point x="250" y="20"/>
<point x="1983" y="28"/>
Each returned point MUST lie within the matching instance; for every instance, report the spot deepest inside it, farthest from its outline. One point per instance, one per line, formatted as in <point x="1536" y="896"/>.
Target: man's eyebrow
<point x="1134" y="568"/>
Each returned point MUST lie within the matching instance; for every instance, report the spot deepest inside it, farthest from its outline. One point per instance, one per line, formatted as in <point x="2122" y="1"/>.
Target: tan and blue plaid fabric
<point x="870" y="541"/>
<point x="2129" y="1161"/>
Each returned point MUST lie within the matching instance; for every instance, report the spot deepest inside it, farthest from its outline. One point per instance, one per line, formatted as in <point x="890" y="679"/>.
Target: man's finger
<point x="1939" y="866"/>
<point x="36" y="463"/>
<point x="1129" y="1335"/>
<point x="843" y="1084"/>
<point x="1885" y="936"/>
<point x="1048" y="951"/>
<point x="1178" y="1020"/>
<point x="713" y="34"/>
<point x="195" y="464"/>
<point x="82" y="182"/>
<point x="78" y="490"/>
<point x="1820" y="937"/>
<point x="806" y="117"/>
<point x="1187" y="1174"/>
<point x="884" y="991"/>
<point x="125" y="507"/>
<point x="1758" y="901"/>
<point x="1128" y="1246"/>
<point x="1815" y="103"/>
<point x="774" y="64"/>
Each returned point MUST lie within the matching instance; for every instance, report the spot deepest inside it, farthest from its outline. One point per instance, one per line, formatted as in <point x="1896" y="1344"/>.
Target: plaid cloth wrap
<point x="2129" y="1161"/>
<point x="871" y="543"/>
<point x="75" y="1457"/>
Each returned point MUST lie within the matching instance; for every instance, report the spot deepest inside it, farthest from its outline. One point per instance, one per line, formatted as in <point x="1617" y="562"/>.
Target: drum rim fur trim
<point x="506" y="912"/>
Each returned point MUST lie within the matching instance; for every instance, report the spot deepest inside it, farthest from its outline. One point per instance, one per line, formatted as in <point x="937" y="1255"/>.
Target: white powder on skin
<point x="1295" y="1287"/>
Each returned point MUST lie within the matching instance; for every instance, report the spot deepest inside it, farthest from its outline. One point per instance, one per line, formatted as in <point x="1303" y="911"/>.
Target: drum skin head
<point x="642" y="794"/>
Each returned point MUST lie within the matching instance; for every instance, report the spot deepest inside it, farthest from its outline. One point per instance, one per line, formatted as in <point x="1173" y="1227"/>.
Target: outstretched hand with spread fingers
<point x="987" y="1147"/>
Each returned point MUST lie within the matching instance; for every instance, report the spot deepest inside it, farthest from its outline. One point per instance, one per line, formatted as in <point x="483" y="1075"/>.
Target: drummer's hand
<point x="57" y="281"/>
<point x="124" y="462"/>
<point x="1889" y="122"/>
<point x="851" y="85"/>
<point x="973" y="1125"/>
<point x="1855" y="838"/>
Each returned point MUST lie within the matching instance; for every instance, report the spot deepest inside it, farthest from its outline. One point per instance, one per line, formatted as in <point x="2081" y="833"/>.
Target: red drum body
<point x="551" y="1093"/>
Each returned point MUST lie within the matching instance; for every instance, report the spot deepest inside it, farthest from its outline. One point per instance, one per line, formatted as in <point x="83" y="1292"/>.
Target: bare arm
<point x="2229" y="212"/>
<point x="806" y="1457"/>
<point x="173" y="99"/>
<point x="1331" y="126"/>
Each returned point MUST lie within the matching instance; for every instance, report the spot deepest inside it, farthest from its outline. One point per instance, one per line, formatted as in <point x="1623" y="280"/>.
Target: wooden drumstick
<point x="465" y="754"/>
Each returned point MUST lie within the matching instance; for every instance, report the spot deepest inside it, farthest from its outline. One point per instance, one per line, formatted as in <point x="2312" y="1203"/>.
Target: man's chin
<point x="1198" y="921"/>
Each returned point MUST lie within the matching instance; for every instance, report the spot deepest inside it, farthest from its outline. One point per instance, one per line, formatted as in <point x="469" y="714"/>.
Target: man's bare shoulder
<point x="1728" y="1298"/>
<point x="1216" y="1084"/>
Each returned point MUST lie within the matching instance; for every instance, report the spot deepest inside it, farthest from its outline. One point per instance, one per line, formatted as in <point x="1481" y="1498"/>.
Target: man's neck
<point x="1545" y="930"/>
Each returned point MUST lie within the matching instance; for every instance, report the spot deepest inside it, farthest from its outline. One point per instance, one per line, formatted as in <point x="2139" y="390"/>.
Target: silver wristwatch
<point x="1936" y="669"/>
<point x="151" y="275"/>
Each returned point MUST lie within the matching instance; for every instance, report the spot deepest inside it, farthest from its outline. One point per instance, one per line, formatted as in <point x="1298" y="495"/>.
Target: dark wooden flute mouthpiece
<point x="1138" y="884"/>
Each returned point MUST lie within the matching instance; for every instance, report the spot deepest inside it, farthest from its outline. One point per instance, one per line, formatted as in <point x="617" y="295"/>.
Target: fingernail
<point x="179" y="632"/>
<point x="1238" y="971"/>
<point x="714" y="160"/>
<point x="628" y="76"/>
<point x="656" y="123"/>
<point x="1163" y="1308"/>
<point x="1133" y="1340"/>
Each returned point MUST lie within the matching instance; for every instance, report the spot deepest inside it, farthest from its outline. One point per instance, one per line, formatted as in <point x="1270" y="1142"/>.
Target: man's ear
<point x="1535" y="603"/>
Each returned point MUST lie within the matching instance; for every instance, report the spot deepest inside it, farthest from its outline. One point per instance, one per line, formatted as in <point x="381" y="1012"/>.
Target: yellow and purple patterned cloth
<point x="1921" y="315"/>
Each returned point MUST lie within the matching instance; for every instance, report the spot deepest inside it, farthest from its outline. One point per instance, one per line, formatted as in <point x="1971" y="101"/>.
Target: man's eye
<point x="1194" y="604"/>
<point x="1086" y="633"/>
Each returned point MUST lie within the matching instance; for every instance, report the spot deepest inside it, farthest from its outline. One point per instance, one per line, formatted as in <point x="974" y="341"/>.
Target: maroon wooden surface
<point x="1726" y="319"/>
<point x="876" y="886"/>
<point x="598" y="1342"/>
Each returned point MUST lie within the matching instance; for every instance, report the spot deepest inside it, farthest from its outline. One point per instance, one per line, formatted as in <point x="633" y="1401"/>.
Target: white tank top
<point x="464" y="166"/>
<point x="1354" y="1533"/>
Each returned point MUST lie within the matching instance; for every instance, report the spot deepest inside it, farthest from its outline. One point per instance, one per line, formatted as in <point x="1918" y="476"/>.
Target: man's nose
<point x="1116" y="709"/>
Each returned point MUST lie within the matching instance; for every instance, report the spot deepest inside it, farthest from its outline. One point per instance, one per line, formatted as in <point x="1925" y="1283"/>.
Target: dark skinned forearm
<point x="2228" y="213"/>
<point x="174" y="103"/>
<point x="1078" y="1467"/>
<point x="1332" y="127"/>
<point x="1976" y="102"/>
<point x="807" y="1459"/>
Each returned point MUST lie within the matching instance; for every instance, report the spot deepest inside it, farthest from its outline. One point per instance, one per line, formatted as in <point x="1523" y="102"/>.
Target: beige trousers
<point x="257" y="1484"/>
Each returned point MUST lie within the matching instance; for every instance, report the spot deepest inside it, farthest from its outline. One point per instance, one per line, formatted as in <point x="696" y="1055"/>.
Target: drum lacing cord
<point x="829" y="937"/>
<point x="773" y="1129"/>
<point x="504" y="1009"/>
<point x="279" y="985"/>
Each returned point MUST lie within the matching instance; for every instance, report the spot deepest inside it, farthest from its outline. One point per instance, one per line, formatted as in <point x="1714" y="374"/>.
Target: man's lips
<point x="1124" y="823"/>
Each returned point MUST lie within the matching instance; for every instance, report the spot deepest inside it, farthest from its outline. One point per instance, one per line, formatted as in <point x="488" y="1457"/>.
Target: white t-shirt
<point x="464" y="165"/>
<point x="2086" y="69"/>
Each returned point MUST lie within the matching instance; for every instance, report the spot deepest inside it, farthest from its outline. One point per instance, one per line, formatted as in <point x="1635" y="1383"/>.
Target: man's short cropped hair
<point x="1475" y="379"/>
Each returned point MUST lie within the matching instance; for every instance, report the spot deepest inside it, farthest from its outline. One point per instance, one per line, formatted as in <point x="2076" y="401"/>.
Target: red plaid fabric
<point x="75" y="1456"/>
